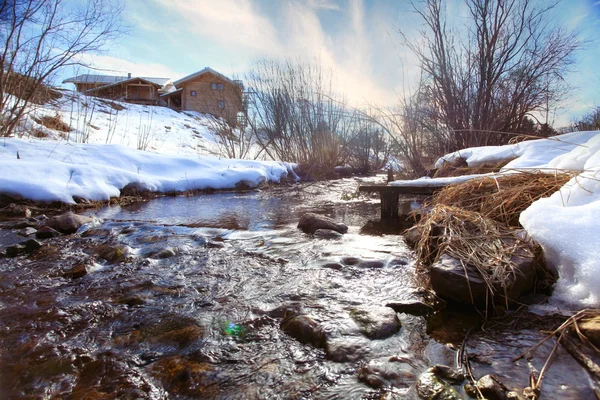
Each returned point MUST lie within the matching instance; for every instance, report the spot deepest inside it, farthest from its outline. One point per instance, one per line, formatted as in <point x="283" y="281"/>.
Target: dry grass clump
<point x="475" y="240"/>
<point x="502" y="198"/>
<point x="54" y="123"/>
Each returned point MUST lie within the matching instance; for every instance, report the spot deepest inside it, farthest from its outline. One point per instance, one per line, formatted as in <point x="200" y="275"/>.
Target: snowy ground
<point x="104" y="152"/>
<point x="566" y="223"/>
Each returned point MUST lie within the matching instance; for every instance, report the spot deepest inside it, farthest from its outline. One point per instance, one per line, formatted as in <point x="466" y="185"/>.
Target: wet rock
<point x="285" y="310"/>
<point x="310" y="222"/>
<point x="184" y="377"/>
<point x="112" y="253"/>
<point x="68" y="222"/>
<point x="78" y="271"/>
<point x="491" y="388"/>
<point x="376" y="322"/>
<point x="590" y="327"/>
<point x="132" y="301"/>
<point x="431" y="387"/>
<point x="27" y="247"/>
<point x="371" y="264"/>
<point x="448" y="373"/>
<point x="346" y="349"/>
<point x="351" y="260"/>
<point x="211" y="244"/>
<point x="449" y="282"/>
<point x="161" y="254"/>
<point x="332" y="265"/>
<point x="304" y="329"/>
<point x="27" y="231"/>
<point x="327" y="234"/>
<point x="27" y="223"/>
<point x="399" y="262"/>
<point x="45" y="232"/>
<point x="97" y="232"/>
<point x="412" y="307"/>
<point x="412" y="237"/>
<point x="385" y="374"/>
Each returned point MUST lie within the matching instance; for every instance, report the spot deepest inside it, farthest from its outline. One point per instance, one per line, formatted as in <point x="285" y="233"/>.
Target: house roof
<point x="121" y="82"/>
<point x="112" y="79"/>
<point x="206" y="70"/>
<point x="171" y="92"/>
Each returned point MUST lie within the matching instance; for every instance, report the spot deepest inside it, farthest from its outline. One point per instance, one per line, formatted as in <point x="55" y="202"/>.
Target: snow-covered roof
<point x="112" y="79"/>
<point x="206" y="70"/>
<point x="121" y="82"/>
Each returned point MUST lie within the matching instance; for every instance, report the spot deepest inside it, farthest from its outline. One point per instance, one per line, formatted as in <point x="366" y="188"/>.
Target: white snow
<point x="566" y="223"/>
<point x="81" y="163"/>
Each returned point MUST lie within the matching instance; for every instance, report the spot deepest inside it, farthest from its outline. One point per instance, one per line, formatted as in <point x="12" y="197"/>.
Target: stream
<point x="184" y="297"/>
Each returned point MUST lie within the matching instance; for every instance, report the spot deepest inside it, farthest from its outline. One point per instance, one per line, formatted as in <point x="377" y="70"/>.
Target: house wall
<point x="207" y="100"/>
<point x="82" y="87"/>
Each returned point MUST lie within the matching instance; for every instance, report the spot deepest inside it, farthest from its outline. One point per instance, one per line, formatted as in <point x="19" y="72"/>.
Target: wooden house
<point x="137" y="90"/>
<point x="207" y="91"/>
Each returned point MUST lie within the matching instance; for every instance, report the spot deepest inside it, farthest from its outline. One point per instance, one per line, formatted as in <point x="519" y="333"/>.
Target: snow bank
<point x="49" y="170"/>
<point x="566" y="223"/>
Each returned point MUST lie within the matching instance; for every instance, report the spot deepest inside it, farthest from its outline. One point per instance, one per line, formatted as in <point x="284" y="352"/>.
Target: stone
<point x="346" y="349"/>
<point x="332" y="265"/>
<point x="351" y="260"/>
<point x="385" y="374"/>
<point x="26" y="223"/>
<point x="311" y="222"/>
<point x="78" y="271"/>
<point x="412" y="307"/>
<point x="27" y="247"/>
<point x="327" y="234"/>
<point x="590" y="328"/>
<point x="304" y="329"/>
<point x="68" y="222"/>
<point x="376" y="322"/>
<point x="431" y="387"/>
<point x="448" y="373"/>
<point x="112" y="253"/>
<point x="161" y="254"/>
<point x="447" y="277"/>
<point x="211" y="244"/>
<point x="371" y="264"/>
<point x="27" y="231"/>
<point x="45" y="232"/>
<point x="491" y="388"/>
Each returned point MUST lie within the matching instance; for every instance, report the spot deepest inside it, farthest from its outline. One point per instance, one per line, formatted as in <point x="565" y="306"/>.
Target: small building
<point x="136" y="90"/>
<point x="207" y="91"/>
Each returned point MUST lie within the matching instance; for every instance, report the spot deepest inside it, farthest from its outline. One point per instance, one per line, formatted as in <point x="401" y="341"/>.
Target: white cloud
<point x="231" y="22"/>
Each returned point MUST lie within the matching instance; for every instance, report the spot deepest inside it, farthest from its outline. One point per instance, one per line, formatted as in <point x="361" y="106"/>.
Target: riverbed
<point x="184" y="297"/>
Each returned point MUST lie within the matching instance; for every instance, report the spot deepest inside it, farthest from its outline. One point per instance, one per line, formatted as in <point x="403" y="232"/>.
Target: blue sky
<point x="357" y="39"/>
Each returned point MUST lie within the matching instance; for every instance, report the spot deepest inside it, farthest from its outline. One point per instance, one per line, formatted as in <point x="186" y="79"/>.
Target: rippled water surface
<point x="184" y="297"/>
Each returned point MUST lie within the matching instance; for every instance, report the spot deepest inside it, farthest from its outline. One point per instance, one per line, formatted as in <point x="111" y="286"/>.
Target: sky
<point x="358" y="40"/>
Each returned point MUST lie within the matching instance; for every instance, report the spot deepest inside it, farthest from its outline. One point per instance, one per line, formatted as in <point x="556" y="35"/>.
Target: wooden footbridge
<point x="390" y="195"/>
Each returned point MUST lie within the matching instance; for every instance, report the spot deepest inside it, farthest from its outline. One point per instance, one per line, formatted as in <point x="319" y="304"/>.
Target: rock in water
<point x="310" y="222"/>
<point x="45" y="232"/>
<point x="68" y="222"/>
<point x="304" y="329"/>
<point x="376" y="322"/>
<point x="449" y="282"/>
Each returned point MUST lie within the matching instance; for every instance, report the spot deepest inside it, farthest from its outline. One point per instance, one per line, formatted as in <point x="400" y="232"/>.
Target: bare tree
<point x="294" y="115"/>
<point x="507" y="64"/>
<point x="38" y="38"/>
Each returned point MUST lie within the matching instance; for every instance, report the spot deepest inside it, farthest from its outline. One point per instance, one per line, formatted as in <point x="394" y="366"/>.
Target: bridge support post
<point x="389" y="204"/>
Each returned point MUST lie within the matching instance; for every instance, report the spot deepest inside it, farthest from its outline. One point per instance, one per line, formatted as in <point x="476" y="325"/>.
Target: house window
<point x="213" y="86"/>
<point x="193" y="93"/>
<point x="221" y="104"/>
<point x="220" y="86"/>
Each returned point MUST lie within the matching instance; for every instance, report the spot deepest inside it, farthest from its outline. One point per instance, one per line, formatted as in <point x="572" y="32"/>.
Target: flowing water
<point x="184" y="297"/>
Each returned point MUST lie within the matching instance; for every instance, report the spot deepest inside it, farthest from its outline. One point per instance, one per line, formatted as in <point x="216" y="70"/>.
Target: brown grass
<point x="502" y="198"/>
<point x="54" y="123"/>
<point x="468" y="236"/>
